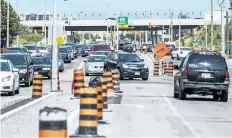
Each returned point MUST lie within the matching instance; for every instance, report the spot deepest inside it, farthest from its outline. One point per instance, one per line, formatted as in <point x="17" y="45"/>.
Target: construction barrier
<point x="109" y="81"/>
<point x="116" y="81"/>
<point x="88" y="114"/>
<point x="58" y="82"/>
<point x="104" y="93"/>
<point x="37" y="89"/>
<point x="170" y="68"/>
<point x="53" y="122"/>
<point x="156" y="68"/>
<point x="165" y="67"/>
<point x="78" y="82"/>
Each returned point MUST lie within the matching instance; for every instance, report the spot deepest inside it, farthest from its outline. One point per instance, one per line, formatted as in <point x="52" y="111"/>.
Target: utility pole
<point x="146" y="37"/>
<point x="180" y="29"/>
<point x="222" y="28"/>
<point x="45" y="26"/>
<point x="211" y="3"/>
<point x="54" y="50"/>
<point x="8" y="24"/>
<point x="17" y="9"/>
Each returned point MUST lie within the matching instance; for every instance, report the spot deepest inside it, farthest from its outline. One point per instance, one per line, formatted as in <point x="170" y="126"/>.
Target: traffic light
<point x="149" y="25"/>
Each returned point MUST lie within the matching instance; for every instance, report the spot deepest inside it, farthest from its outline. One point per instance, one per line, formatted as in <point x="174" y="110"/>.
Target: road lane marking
<point x="25" y="106"/>
<point x="184" y="121"/>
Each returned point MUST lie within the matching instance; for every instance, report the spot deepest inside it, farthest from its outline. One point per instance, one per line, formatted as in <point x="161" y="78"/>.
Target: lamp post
<point x="8" y="24"/>
<point x="222" y="28"/>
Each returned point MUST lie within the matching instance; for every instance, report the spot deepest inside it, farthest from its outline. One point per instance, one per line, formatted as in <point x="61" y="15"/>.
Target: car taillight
<point x="181" y="52"/>
<point x="227" y="74"/>
<point x="185" y="72"/>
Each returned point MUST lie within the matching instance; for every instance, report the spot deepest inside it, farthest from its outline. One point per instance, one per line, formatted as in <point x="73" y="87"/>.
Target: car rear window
<point x="207" y="61"/>
<point x="100" y="48"/>
<point x="31" y="47"/>
<point x="14" y="48"/>
<point x="186" y="49"/>
<point x="42" y="48"/>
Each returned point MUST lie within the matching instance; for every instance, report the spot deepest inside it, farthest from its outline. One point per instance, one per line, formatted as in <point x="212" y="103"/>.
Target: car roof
<point x="100" y="45"/>
<point x="97" y="55"/>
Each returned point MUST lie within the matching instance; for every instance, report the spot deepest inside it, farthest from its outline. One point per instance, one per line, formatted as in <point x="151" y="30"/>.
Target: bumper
<point x="135" y="74"/>
<point x="6" y="87"/>
<point x="205" y="86"/>
<point x="45" y="73"/>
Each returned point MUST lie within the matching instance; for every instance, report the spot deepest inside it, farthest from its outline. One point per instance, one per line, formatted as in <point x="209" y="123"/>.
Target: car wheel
<point x="72" y="58"/>
<point x="31" y="83"/>
<point x="17" y="91"/>
<point x="120" y="75"/>
<point x="70" y="61"/>
<point x="216" y="96"/>
<point x="12" y="93"/>
<point x="182" y="94"/>
<point x="62" y="70"/>
<point x="172" y="56"/>
<point x="28" y="83"/>
<point x="175" y="95"/>
<point x="224" y="96"/>
<point x="130" y="78"/>
<point x="145" y="78"/>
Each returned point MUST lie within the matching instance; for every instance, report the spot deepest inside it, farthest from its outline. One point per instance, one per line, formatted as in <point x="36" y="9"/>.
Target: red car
<point x="99" y="47"/>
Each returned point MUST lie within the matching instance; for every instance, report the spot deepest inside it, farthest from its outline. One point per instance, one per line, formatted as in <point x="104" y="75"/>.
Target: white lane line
<point x="184" y="121"/>
<point x="26" y="106"/>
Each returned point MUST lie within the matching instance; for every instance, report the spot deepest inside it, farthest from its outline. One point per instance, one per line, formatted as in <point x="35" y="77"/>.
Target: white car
<point x="181" y="52"/>
<point x="94" y="64"/>
<point x="9" y="78"/>
<point x="43" y="49"/>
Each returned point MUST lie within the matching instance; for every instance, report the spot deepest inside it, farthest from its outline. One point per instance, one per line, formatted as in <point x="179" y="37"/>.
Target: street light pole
<point x="8" y="24"/>
<point x="180" y="29"/>
<point x="222" y="29"/>
<point x="17" y="9"/>
<point x="146" y="37"/>
<point x="117" y="33"/>
<point x="211" y="3"/>
<point x="54" y="50"/>
<point x="45" y="24"/>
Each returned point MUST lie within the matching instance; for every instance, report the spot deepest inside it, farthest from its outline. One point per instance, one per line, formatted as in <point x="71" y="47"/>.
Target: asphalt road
<point x="145" y="109"/>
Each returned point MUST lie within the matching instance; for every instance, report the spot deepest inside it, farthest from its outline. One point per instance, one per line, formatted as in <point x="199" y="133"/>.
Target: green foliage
<point x="14" y="24"/>
<point x="77" y="37"/>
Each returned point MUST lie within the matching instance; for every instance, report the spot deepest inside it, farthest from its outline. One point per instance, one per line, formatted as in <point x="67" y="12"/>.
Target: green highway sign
<point x="123" y="22"/>
<point x="197" y="41"/>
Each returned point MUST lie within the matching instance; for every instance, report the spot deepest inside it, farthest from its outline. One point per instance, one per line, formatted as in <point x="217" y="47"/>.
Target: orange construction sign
<point x="160" y="50"/>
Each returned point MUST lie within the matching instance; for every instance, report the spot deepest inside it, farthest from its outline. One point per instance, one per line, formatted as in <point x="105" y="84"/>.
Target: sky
<point x="101" y="6"/>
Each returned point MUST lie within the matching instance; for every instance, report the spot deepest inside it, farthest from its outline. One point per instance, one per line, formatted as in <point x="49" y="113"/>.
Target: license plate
<point x="206" y="75"/>
<point x="137" y="73"/>
<point x="36" y="73"/>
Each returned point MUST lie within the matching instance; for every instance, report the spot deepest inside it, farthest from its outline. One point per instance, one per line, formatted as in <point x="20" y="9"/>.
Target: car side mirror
<point x="175" y="67"/>
<point x="142" y="60"/>
<point x="15" y="70"/>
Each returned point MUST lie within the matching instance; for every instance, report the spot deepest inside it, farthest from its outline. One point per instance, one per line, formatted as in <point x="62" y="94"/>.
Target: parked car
<point x="181" y="52"/>
<point x="99" y="47"/>
<point x="42" y="65"/>
<point x="130" y="65"/>
<point x="43" y="49"/>
<point x="33" y="50"/>
<point x="66" y="54"/>
<point x="9" y="78"/>
<point x="20" y="49"/>
<point x="24" y="64"/>
<point x="94" y="64"/>
<point x="202" y="73"/>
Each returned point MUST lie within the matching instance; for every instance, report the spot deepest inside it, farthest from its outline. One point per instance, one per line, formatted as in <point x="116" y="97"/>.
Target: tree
<point x="14" y="24"/>
<point x="77" y="37"/>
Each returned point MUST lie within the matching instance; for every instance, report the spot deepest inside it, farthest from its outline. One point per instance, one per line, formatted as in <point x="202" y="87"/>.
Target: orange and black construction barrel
<point x="170" y="68"/>
<point x="116" y="81"/>
<point x="37" y="89"/>
<point x="88" y="114"/>
<point x="78" y="82"/>
<point x="104" y="95"/>
<point x="109" y="81"/>
<point x="58" y="82"/>
<point x="165" y="67"/>
<point x="156" y="68"/>
<point x="53" y="122"/>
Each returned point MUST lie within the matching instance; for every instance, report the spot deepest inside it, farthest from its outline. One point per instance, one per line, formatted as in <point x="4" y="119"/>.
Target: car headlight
<point x="46" y="68"/>
<point x="125" y="66"/>
<point x="6" y="79"/>
<point x="23" y="71"/>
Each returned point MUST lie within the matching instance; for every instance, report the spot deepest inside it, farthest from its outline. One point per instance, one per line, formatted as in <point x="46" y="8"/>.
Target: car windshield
<point x="42" y="48"/>
<point x="206" y="61"/>
<point x="96" y="59"/>
<point x="41" y="60"/>
<point x="31" y="47"/>
<point x="100" y="48"/>
<point x="16" y="59"/>
<point x="129" y="58"/>
<point x="5" y="66"/>
<point x="15" y="49"/>
<point x="63" y="50"/>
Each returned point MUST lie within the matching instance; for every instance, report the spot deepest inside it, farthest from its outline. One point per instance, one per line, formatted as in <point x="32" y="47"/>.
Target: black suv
<point x="202" y="73"/>
<point x="24" y="64"/>
<point x="130" y="65"/>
